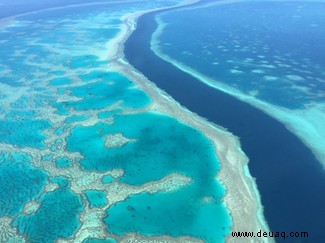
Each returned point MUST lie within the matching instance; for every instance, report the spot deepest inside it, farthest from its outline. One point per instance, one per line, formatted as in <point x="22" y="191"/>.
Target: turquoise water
<point x="63" y="162"/>
<point x="269" y="54"/>
<point x="184" y="212"/>
<point x="86" y="61"/>
<point x="61" y="130"/>
<point x="56" y="218"/>
<point x="112" y="88"/>
<point x="62" y="181"/>
<point x="107" y="179"/>
<point x="107" y="114"/>
<point x="96" y="198"/>
<point x="161" y="143"/>
<point x="30" y="132"/>
<point x="98" y="95"/>
<point x="76" y="118"/>
<point x="20" y="182"/>
<point x="60" y="81"/>
<point x="107" y="240"/>
<point x="47" y="157"/>
<point x="54" y="76"/>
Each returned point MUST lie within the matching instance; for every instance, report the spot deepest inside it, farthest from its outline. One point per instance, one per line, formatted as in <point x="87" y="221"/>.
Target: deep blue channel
<point x="290" y="179"/>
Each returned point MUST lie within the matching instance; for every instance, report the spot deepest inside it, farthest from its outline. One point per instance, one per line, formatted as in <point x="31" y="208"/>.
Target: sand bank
<point x="242" y="198"/>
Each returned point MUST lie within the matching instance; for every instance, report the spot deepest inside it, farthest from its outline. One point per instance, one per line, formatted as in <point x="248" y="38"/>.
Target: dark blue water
<point x="291" y="181"/>
<point x="273" y="50"/>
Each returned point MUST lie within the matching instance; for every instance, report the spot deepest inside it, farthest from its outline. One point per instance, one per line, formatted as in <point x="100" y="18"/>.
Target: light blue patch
<point x="107" y="240"/>
<point x="184" y="212"/>
<point x="86" y="61"/>
<point x="60" y="81"/>
<point x="161" y="143"/>
<point x="64" y="182"/>
<point x="112" y="87"/>
<point x="53" y="148"/>
<point x="107" y="114"/>
<point x="63" y="163"/>
<point x="96" y="198"/>
<point x="108" y="179"/>
<point x="47" y="157"/>
<point x="76" y="118"/>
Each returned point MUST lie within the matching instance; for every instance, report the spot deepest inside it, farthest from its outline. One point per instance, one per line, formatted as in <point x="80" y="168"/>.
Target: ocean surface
<point x="271" y="55"/>
<point x="273" y="60"/>
<point x="81" y="158"/>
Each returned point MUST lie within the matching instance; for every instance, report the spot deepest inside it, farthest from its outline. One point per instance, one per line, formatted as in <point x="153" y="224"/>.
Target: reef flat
<point x="92" y="151"/>
<point x="233" y="173"/>
<point x="276" y="156"/>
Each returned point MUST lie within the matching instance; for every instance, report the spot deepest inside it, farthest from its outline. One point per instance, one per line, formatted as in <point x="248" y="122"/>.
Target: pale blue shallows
<point x="30" y="132"/>
<point x="163" y="146"/>
<point x="111" y="88"/>
<point x="107" y="240"/>
<point x="179" y="213"/>
<point x="96" y="198"/>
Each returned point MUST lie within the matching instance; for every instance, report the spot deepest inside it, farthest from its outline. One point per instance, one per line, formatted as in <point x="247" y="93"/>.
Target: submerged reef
<point x="82" y="155"/>
<point x="162" y="144"/>
<point x="20" y="182"/>
<point x="56" y="218"/>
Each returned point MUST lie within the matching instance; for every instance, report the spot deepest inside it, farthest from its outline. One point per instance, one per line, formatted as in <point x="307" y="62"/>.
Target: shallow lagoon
<point x="96" y="198"/>
<point x="63" y="103"/>
<point x="20" y="182"/>
<point x="158" y="150"/>
<point x="57" y="217"/>
<point x="189" y="211"/>
<point x="161" y="146"/>
<point x="112" y="88"/>
<point x="30" y="132"/>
